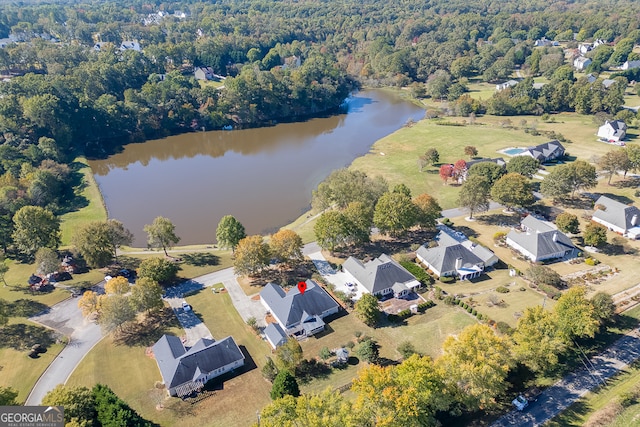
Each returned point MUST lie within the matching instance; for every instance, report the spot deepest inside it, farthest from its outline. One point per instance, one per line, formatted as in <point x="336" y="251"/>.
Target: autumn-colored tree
<point x="446" y="172"/>
<point x="117" y="285"/>
<point x="576" y="316"/>
<point x="568" y="223"/>
<point x="114" y="311"/>
<point x="428" y="210"/>
<point x="286" y="246"/>
<point x="614" y="161"/>
<point x="251" y="255"/>
<point x="538" y="341"/>
<point x="459" y="169"/>
<point x="470" y="151"/>
<point x="477" y="362"/>
<point x="88" y="303"/>
<point x="327" y="409"/>
<point x="594" y="234"/>
<point x="158" y="269"/>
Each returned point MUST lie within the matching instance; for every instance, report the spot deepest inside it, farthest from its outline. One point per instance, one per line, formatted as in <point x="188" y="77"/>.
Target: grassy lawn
<point x="19" y="371"/>
<point x="93" y="209"/>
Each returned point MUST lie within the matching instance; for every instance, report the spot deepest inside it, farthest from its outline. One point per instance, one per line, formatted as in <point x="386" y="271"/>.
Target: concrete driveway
<point x="193" y="326"/>
<point x="66" y="318"/>
<point x="342" y="281"/>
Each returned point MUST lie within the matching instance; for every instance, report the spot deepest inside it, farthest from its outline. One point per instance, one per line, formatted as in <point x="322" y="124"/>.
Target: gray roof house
<point x="381" y="276"/>
<point x="581" y="63"/>
<point x="618" y="217"/>
<point x="614" y="131"/>
<point x="186" y="370"/>
<point x="540" y="241"/>
<point x="456" y="255"/>
<point x="298" y="314"/>
<point x="551" y="150"/>
<point x="275" y="335"/>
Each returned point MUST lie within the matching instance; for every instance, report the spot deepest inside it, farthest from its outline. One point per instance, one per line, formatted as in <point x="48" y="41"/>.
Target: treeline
<point x="474" y="373"/>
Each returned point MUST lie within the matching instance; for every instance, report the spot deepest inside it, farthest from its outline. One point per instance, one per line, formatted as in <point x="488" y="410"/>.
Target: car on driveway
<point x="186" y="306"/>
<point x="520" y="403"/>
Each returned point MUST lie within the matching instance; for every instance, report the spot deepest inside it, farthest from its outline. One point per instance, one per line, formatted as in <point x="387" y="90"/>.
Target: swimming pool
<point x="513" y="151"/>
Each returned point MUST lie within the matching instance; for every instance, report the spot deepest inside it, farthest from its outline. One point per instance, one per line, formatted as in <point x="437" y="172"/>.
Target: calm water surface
<point x="263" y="177"/>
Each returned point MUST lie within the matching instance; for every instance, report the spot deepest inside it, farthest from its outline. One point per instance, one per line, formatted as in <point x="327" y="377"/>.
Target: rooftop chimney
<point x="634" y="220"/>
<point x="458" y="263"/>
<point x="555" y="236"/>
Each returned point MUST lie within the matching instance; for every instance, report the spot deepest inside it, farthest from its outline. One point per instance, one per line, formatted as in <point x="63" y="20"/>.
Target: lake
<point x="264" y="177"/>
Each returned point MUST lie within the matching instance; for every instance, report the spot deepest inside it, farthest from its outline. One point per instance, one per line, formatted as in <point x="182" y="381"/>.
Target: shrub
<point x="406" y="349"/>
<point x="541" y="274"/>
<point x="591" y="261"/>
<point x="460" y="302"/>
<point x="417" y="271"/>
<point x="502" y="289"/>
<point x="357" y="334"/>
<point x="422" y="307"/>
<point x="465" y="306"/>
<point x="504" y="328"/>
<point x="405" y="313"/>
<point x="522" y="288"/>
<point x="469" y="309"/>
<point x="499" y="236"/>
<point x="438" y="292"/>
<point x="447" y="279"/>
<point x="447" y="222"/>
<point x="449" y="300"/>
<point x="474" y="312"/>
<point x="350" y="345"/>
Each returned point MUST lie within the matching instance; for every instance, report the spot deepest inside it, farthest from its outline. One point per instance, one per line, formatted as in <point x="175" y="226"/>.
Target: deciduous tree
<point x="489" y="170"/>
<point x="359" y="219"/>
<point x="477" y="361"/>
<point x="161" y="234"/>
<point x="46" y="261"/>
<point x="568" y="178"/>
<point x="474" y="194"/>
<point x="568" y="223"/>
<point x="35" y="228"/>
<point x="78" y="402"/>
<point x="446" y="172"/>
<point x="432" y="156"/>
<point x="114" y="311"/>
<point x="284" y="384"/>
<point x="327" y="409"/>
<point x="8" y="396"/>
<point x="470" y="151"/>
<point x="98" y="241"/>
<point x="146" y="295"/>
<point x="158" y="269"/>
<point x="395" y="213"/>
<point x="344" y="186"/>
<point x="88" y="303"/>
<point x="614" y="161"/>
<point x="524" y="165"/>
<point x="289" y="355"/>
<point x="368" y="350"/>
<point x="286" y="246"/>
<point x="331" y="230"/>
<point x="428" y="210"/>
<point x="603" y="306"/>
<point x="576" y="315"/>
<point x="537" y="338"/>
<point x="513" y="190"/>
<point x="229" y="232"/>
<point x="367" y="309"/>
<point x="251" y="256"/>
<point x="594" y="235"/>
<point x="543" y="275"/>
<point x="117" y="285"/>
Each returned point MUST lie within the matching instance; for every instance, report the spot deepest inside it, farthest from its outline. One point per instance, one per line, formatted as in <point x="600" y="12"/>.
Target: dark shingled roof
<point x="378" y="274"/>
<point x="179" y="365"/>
<point x="293" y="307"/>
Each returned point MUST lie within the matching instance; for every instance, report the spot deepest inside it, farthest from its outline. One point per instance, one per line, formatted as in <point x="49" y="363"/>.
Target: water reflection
<point x="264" y="177"/>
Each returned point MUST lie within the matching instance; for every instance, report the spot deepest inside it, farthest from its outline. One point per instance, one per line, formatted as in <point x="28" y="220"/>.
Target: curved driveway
<point x="66" y="318"/>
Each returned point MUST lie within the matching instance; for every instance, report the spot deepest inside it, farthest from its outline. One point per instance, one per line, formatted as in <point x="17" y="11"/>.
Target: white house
<point x="505" y="85"/>
<point x="617" y="217"/>
<point x="540" y="241"/>
<point x="614" y="131"/>
<point x="381" y="276"/>
<point x="298" y="314"/>
<point x="628" y="65"/>
<point x="581" y="63"/>
<point x="130" y="45"/>
<point x="187" y="370"/>
<point x="455" y="255"/>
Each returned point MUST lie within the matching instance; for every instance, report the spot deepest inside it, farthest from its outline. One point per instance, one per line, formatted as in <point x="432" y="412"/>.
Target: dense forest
<point x="88" y="77"/>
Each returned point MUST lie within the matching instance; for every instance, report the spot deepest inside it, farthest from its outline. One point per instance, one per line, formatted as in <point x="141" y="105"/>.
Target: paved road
<point x="456" y="212"/>
<point x="561" y="395"/>
<point x="66" y="318"/>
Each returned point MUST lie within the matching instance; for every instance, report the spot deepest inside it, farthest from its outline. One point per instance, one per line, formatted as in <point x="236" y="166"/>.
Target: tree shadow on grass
<point x="148" y="330"/>
<point x="311" y="369"/>
<point x="21" y="336"/>
<point x="27" y="307"/>
<point x="200" y="259"/>
<point x="629" y="182"/>
<point x="500" y="219"/>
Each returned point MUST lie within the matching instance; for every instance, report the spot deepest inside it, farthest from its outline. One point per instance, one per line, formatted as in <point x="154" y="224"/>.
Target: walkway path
<point x="66" y="318"/>
<point x="561" y="395"/>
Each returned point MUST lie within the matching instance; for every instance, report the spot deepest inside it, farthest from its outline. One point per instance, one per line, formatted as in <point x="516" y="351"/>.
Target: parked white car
<point x="186" y="306"/>
<point x="520" y="402"/>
